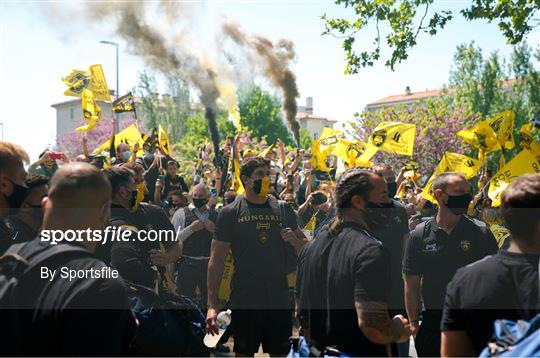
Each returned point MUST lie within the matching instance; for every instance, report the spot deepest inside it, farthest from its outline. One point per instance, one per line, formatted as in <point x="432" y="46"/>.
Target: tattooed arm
<point x="376" y="324"/>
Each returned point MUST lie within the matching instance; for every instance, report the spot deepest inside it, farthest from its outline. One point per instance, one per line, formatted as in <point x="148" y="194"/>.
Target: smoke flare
<point x="276" y="59"/>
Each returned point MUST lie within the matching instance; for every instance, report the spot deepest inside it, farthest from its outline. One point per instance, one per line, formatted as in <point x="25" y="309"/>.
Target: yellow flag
<point x="481" y="136"/>
<point x="527" y="140"/>
<point x="265" y="152"/>
<point x="164" y="141"/>
<point x="224" y="291"/>
<point x="451" y="162"/>
<point x="237" y="182"/>
<point x="462" y="164"/>
<point x="318" y="158"/>
<point x="123" y="104"/>
<point x="523" y="163"/>
<point x="310" y="226"/>
<point x="500" y="233"/>
<point x="354" y="153"/>
<point x="93" y="80"/>
<point x="91" y="111"/>
<point x="394" y="137"/>
<point x="328" y="139"/>
<point x="427" y="192"/>
<point x="503" y="125"/>
<point x="130" y="135"/>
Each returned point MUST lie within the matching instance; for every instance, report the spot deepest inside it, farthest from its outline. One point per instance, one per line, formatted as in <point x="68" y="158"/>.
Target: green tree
<point x="475" y="81"/>
<point x="261" y="113"/>
<point x="406" y="19"/>
<point x="305" y="139"/>
<point x="489" y="85"/>
<point x="169" y="110"/>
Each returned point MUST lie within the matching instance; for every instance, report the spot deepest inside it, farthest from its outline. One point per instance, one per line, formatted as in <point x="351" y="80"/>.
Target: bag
<point x="15" y="268"/>
<point x="169" y="324"/>
<point x="515" y="339"/>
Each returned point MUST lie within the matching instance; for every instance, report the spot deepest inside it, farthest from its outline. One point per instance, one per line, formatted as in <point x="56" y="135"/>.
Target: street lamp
<point x="117" y="124"/>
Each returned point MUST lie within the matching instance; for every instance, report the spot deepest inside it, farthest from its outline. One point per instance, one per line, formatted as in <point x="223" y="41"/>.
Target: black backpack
<point x="15" y="270"/>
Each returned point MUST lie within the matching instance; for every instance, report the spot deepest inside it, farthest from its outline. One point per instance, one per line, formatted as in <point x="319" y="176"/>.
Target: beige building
<point x="313" y="124"/>
<point x="410" y="97"/>
<point x="405" y="98"/>
<point x="69" y="114"/>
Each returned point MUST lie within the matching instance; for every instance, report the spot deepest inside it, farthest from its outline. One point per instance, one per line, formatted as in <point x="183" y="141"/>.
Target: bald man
<point x="83" y="315"/>
<point x="195" y="225"/>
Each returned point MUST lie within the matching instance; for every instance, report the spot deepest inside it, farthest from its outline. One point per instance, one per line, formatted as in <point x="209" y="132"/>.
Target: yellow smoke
<point x="227" y="95"/>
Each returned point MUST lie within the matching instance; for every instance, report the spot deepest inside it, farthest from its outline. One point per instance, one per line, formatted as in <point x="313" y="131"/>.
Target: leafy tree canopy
<point x="404" y="20"/>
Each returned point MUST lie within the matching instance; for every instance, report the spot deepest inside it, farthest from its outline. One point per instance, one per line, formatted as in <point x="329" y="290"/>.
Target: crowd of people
<point x="359" y="262"/>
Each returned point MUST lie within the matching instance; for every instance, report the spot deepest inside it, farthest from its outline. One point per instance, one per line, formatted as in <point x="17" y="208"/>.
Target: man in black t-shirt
<point x="342" y="288"/>
<point x="435" y="250"/>
<point x="59" y="316"/>
<point x="138" y="259"/>
<point x="394" y="236"/>
<point x="263" y="237"/>
<point x="502" y="286"/>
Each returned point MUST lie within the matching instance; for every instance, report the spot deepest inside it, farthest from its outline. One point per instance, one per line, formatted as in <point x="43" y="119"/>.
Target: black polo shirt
<point x="436" y="255"/>
<point x="333" y="273"/>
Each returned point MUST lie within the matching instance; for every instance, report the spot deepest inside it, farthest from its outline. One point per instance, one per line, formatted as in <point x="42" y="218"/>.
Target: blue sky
<point x="37" y="49"/>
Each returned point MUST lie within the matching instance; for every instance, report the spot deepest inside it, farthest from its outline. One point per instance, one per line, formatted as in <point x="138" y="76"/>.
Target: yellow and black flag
<point x="93" y="79"/>
<point x="164" y="144"/>
<point x="503" y="125"/>
<point x="91" y="111"/>
<point x="482" y="136"/>
<point x="523" y="163"/>
<point x="354" y="153"/>
<point x="124" y="104"/>
<point x="152" y="140"/>
<point x="528" y="141"/>
<point x="394" y="137"/>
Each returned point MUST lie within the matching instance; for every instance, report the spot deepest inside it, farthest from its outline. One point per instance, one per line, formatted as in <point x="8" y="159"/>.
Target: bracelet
<point x="414" y="321"/>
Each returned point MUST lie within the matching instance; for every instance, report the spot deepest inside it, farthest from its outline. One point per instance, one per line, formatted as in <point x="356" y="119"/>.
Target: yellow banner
<point x="224" y="291"/>
<point x="503" y="125"/>
<point x="527" y="140"/>
<point x="394" y="137"/>
<point x="523" y="163"/>
<point x="93" y="80"/>
<point x="164" y="141"/>
<point x="328" y="139"/>
<point x="482" y="137"/>
<point x="451" y="162"/>
<point x="354" y="153"/>
<point x="130" y="135"/>
<point x="500" y="233"/>
<point x="91" y="111"/>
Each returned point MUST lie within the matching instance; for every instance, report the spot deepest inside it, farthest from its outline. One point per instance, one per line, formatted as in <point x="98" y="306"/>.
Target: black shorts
<point x="271" y="328"/>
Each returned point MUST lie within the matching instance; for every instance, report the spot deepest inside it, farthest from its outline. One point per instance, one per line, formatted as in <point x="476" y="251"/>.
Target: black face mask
<point x="230" y="199"/>
<point x="392" y="189"/>
<point x="36" y="212"/>
<point x="133" y="199"/>
<point x="17" y="197"/>
<point x="377" y="215"/>
<point x="459" y="204"/>
<point x="199" y="203"/>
